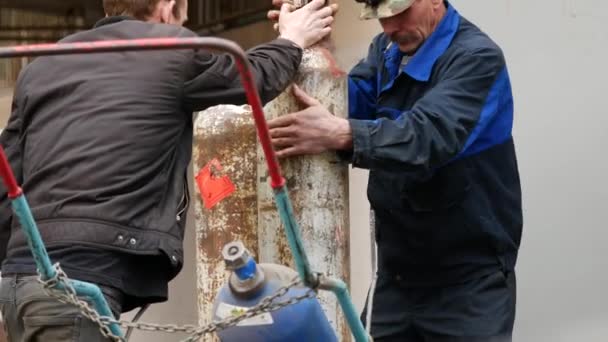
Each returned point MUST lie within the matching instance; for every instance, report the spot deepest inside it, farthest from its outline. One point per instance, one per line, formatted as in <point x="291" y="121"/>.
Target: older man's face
<point x="410" y="28"/>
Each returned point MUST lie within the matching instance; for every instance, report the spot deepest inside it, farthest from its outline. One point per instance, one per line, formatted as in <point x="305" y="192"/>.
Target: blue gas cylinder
<point x="248" y="284"/>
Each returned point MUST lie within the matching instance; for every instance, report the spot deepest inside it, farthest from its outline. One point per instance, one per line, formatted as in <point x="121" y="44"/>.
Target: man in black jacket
<point x="101" y="145"/>
<point x="430" y="116"/>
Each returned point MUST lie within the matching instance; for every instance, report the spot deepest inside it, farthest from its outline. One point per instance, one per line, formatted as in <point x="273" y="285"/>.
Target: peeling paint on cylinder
<point x="318" y="187"/>
<point x="227" y="133"/>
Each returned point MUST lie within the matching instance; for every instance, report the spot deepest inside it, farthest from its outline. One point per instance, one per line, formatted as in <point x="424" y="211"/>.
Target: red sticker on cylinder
<point x="213" y="189"/>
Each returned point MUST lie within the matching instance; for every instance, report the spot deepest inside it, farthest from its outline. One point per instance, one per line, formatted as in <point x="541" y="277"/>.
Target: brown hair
<point x="139" y="9"/>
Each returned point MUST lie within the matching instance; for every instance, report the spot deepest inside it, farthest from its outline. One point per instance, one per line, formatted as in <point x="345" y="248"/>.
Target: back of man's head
<point x="139" y="9"/>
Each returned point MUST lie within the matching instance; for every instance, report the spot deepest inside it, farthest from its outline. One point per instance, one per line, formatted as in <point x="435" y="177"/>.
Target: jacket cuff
<point x="290" y="45"/>
<point x="361" y="154"/>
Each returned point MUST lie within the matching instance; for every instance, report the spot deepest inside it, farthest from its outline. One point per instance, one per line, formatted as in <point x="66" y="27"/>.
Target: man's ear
<point x="166" y="11"/>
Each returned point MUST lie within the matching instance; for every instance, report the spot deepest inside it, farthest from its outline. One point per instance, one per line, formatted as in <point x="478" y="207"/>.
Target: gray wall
<point x="556" y="51"/>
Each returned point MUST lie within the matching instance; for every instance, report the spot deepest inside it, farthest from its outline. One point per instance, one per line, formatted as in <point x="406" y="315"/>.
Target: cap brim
<point x="384" y="10"/>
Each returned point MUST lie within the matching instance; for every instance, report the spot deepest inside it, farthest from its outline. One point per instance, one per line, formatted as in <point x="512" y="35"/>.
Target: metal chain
<point x="266" y="305"/>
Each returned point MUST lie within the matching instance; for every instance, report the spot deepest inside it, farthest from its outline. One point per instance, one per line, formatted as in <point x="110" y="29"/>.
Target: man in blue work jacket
<point x="431" y="114"/>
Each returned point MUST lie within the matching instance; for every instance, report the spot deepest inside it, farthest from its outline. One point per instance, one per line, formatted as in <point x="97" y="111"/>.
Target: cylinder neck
<point x="247" y="271"/>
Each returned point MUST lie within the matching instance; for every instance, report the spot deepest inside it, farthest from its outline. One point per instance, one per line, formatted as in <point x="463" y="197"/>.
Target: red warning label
<point x="213" y="189"/>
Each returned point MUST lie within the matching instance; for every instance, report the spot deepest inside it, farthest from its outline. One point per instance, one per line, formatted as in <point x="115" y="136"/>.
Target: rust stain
<point x="208" y="247"/>
<point x="334" y="68"/>
<point x="339" y="236"/>
<point x="285" y="256"/>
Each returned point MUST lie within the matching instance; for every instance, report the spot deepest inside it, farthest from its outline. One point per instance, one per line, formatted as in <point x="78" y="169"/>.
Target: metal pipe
<point x="339" y="288"/>
<point x="97" y="298"/>
<point x="8" y="177"/>
<point x="22" y="209"/>
<point x="294" y="237"/>
<point x="34" y="240"/>
<point x="137" y="317"/>
<point x="374" y="256"/>
<point x="41" y="257"/>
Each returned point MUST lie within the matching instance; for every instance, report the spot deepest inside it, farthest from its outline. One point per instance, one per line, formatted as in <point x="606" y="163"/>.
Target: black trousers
<point x="480" y="310"/>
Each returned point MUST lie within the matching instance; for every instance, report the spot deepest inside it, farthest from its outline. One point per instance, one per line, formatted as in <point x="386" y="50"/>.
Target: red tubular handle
<point x="277" y="181"/>
<point x="8" y="177"/>
<point x="210" y="43"/>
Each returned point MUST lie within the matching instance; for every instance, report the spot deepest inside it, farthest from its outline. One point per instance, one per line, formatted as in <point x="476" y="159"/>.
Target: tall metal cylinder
<point x="224" y="162"/>
<point x="318" y="187"/>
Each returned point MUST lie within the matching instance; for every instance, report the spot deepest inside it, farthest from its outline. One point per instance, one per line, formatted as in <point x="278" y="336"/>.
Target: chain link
<point x="69" y="296"/>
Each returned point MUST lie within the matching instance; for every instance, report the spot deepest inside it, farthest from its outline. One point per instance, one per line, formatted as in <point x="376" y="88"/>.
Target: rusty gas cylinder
<point x="318" y="186"/>
<point x="224" y="162"/>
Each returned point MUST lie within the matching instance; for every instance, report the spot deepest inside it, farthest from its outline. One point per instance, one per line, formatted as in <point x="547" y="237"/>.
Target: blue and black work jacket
<point x="435" y="133"/>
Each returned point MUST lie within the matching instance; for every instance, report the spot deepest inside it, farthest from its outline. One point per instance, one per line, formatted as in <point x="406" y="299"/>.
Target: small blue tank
<point x="248" y="284"/>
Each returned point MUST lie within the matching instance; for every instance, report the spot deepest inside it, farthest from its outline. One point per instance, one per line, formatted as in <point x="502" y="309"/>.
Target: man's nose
<point x="389" y="25"/>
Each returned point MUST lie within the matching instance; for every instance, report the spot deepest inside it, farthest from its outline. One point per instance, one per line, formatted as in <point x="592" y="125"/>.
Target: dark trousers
<point x="30" y="315"/>
<point x="480" y="310"/>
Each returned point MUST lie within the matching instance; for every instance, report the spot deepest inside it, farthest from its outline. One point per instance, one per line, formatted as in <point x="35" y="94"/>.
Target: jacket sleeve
<point x="9" y="139"/>
<point x="362" y="87"/>
<point x="213" y="78"/>
<point x="439" y="125"/>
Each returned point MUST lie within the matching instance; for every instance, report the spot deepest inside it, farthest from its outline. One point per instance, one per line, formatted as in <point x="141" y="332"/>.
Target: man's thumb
<point x="304" y="98"/>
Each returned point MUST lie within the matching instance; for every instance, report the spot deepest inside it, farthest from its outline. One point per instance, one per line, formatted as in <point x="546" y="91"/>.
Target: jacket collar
<point x="420" y="66"/>
<point x="112" y="20"/>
